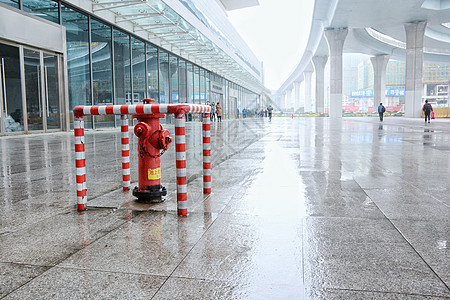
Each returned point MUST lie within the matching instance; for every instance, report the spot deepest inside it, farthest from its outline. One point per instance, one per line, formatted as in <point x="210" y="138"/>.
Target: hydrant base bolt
<point x="151" y="194"/>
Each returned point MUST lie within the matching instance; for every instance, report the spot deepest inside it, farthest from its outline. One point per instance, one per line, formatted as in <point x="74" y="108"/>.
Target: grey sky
<point x="277" y="31"/>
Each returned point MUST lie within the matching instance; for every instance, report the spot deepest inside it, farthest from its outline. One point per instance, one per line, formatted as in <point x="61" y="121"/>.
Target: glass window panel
<point x="10" y="88"/>
<point x="33" y="89"/>
<point x="190" y="82"/>
<point x="207" y="85"/>
<point x="13" y="3"/>
<point x="101" y="62"/>
<point x="152" y="72"/>
<point x="196" y="85"/>
<point x="163" y="77"/>
<point x="102" y="70"/>
<point x="122" y="84"/>
<point x="202" y="87"/>
<point x="182" y="83"/>
<point x="77" y="59"/>
<point x="51" y="85"/>
<point x="138" y="59"/>
<point x="174" y="78"/>
<point x="46" y="9"/>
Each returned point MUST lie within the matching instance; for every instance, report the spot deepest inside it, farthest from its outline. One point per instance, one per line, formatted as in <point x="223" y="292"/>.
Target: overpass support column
<point x="297" y="95"/>
<point x="335" y="39"/>
<point x="414" y="68"/>
<point x="308" y="75"/>
<point x="290" y="103"/>
<point x="283" y="101"/>
<point x="379" y="64"/>
<point x="319" y="65"/>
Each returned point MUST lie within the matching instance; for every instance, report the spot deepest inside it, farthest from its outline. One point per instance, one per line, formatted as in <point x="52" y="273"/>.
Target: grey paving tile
<point x="12" y="276"/>
<point x="255" y="250"/>
<point x="187" y="288"/>
<point x="365" y="255"/>
<point x="53" y="239"/>
<point x="410" y="204"/>
<point x="152" y="243"/>
<point x="344" y="206"/>
<point x="336" y="294"/>
<point x="21" y="214"/>
<point x="430" y="238"/>
<point x="60" y="283"/>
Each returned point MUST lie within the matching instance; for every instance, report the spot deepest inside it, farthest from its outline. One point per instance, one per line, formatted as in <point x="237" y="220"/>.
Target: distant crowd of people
<point x="216" y="111"/>
<point x="260" y="113"/>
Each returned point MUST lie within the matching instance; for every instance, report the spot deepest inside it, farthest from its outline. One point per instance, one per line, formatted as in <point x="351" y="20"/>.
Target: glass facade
<point x="152" y="73"/>
<point x="10" y="88"/>
<point x="46" y="9"/>
<point x="106" y="65"/>
<point x="173" y="66"/>
<point x="138" y="67"/>
<point x="122" y="75"/>
<point x="78" y="59"/>
<point x="101" y="51"/>
<point x="196" y="74"/>
<point x="13" y="3"/>
<point x="182" y="81"/>
<point x="164" y="77"/>
<point x="189" y="82"/>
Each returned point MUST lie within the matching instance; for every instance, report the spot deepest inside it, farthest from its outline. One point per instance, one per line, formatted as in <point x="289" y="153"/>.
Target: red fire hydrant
<point x="152" y="139"/>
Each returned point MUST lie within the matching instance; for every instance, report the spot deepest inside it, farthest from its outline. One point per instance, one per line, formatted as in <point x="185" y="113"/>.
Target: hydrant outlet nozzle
<point x="141" y="129"/>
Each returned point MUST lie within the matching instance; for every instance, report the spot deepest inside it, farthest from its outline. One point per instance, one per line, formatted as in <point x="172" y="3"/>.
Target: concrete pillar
<point x="297" y="95"/>
<point x="289" y="98"/>
<point x="335" y="39"/>
<point x="414" y="68"/>
<point x="308" y="75"/>
<point x="379" y="64"/>
<point x="319" y="65"/>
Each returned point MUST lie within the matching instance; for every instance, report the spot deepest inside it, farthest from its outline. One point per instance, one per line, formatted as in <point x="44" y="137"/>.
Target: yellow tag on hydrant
<point x="154" y="174"/>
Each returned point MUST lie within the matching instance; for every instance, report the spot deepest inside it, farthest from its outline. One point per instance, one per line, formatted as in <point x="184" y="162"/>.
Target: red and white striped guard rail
<point x="179" y="110"/>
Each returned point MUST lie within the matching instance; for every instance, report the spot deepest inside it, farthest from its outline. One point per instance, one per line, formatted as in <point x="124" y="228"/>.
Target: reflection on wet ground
<point x="308" y="208"/>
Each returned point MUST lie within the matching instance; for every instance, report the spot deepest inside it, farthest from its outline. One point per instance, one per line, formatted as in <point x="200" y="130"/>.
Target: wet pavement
<point x="306" y="208"/>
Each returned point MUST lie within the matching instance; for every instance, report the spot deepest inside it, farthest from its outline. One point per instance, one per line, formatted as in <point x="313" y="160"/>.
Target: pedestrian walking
<point x="244" y="113"/>
<point x="269" y="110"/>
<point x="381" y="110"/>
<point x="213" y="112"/>
<point x="219" y="112"/>
<point x="427" y="109"/>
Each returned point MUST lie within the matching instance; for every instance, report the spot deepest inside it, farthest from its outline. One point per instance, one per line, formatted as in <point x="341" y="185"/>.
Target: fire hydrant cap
<point x="165" y="139"/>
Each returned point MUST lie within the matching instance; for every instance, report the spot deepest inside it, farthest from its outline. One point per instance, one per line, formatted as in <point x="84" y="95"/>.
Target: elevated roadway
<point x="376" y="28"/>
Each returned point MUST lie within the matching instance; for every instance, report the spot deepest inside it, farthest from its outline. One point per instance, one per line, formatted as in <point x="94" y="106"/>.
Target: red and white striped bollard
<point x="80" y="163"/>
<point x="206" y="126"/>
<point x="125" y="152"/>
<point x="180" y="148"/>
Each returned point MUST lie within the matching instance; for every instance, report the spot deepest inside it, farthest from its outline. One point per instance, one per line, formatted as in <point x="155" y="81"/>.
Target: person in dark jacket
<point x="427" y="109"/>
<point x="381" y="110"/>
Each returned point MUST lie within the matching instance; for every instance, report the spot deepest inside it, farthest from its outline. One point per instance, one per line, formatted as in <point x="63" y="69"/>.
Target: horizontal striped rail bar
<point x="137" y="109"/>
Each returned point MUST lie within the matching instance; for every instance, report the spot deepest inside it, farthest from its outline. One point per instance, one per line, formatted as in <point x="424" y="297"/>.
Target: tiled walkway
<point x="307" y="208"/>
